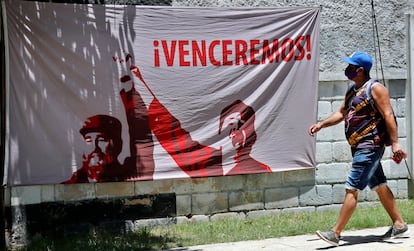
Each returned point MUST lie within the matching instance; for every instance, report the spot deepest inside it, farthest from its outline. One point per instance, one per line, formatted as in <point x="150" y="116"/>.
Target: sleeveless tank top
<point x="364" y="125"/>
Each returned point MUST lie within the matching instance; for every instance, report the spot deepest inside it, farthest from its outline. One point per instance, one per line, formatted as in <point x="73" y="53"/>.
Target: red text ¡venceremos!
<point x="230" y="52"/>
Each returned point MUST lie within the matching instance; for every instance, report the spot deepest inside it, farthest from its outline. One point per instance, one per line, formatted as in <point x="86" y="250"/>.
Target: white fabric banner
<point x="120" y="93"/>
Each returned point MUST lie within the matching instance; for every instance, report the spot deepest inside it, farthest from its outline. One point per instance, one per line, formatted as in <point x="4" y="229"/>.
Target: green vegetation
<point x="190" y="234"/>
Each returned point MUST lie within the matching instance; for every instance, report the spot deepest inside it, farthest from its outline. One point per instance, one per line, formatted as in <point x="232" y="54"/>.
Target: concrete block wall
<point x="242" y="196"/>
<point x="317" y="189"/>
<point x="321" y="186"/>
<point x="332" y="152"/>
<point x="333" y="155"/>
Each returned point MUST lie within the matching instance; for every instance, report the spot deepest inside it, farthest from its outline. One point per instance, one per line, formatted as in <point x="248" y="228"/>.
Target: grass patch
<point x="230" y="230"/>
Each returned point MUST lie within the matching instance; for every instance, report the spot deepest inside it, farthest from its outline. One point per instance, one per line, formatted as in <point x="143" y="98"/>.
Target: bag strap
<point x="371" y="100"/>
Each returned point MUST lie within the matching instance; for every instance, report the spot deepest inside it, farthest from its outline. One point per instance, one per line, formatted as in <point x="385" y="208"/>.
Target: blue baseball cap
<point x="359" y="58"/>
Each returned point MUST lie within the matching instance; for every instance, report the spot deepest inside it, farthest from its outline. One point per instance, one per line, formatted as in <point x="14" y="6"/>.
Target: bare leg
<point x="388" y="201"/>
<point x="348" y="208"/>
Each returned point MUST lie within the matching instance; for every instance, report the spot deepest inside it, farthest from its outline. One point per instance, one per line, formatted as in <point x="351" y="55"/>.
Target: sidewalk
<point x="358" y="240"/>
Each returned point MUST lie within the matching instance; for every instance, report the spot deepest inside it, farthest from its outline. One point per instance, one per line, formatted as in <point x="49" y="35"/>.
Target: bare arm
<point x="382" y="102"/>
<point x="333" y="119"/>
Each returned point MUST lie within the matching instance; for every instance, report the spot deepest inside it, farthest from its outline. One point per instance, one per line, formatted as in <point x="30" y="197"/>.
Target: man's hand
<point x="398" y="156"/>
<point x="313" y="129"/>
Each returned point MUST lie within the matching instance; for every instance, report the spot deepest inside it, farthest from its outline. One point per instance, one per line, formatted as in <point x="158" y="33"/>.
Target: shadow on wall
<point x="59" y="219"/>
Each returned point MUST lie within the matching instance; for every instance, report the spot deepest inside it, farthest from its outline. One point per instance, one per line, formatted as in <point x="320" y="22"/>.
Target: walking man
<point x="366" y="129"/>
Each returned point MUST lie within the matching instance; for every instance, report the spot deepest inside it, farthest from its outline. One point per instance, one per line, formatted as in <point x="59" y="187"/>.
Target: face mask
<point x="350" y="73"/>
